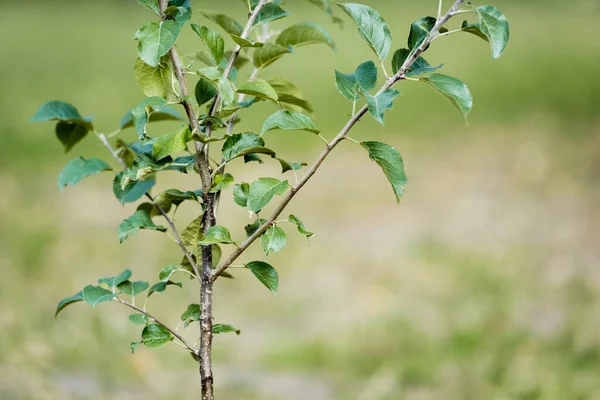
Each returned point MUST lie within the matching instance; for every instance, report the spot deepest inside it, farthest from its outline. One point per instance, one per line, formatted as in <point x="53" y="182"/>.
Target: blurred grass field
<point x="482" y="284"/>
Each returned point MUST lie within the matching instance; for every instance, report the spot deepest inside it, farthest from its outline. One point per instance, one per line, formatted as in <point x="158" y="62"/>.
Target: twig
<point x="330" y="146"/>
<point x="154" y="319"/>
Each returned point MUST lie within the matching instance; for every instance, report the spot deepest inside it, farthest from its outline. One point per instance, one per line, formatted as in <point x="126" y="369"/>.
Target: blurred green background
<point x="482" y="284"/>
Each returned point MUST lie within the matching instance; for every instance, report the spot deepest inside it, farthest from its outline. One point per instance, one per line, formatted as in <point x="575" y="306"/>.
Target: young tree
<point x="218" y="100"/>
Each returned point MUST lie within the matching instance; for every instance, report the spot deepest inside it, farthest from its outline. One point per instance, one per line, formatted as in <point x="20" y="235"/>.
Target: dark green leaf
<point x="139" y="220"/>
<point x="179" y="10"/>
<point x="366" y="76"/>
<point x="80" y="168"/>
<point x="289" y="121"/>
<point x="172" y="143"/>
<point x="286" y="166"/>
<point x="215" y="235"/>
<point x="213" y="41"/>
<point x="266" y="274"/>
<point x="262" y="191"/>
<point x="94" y="295"/>
<point x="115" y="281"/>
<point x="223" y="328"/>
<point x="70" y="133"/>
<point x="133" y="288"/>
<point x="227" y="23"/>
<point x="419" y="30"/>
<point x="156" y="39"/>
<point x="205" y="91"/>
<point x="420" y="66"/>
<point x="301" y="228"/>
<point x="192" y="313"/>
<point x="61" y="111"/>
<point x="155" y="336"/>
<point x="304" y="34"/>
<point x="259" y="89"/>
<point x="273" y="239"/>
<point x="371" y="27"/>
<point x="138" y="319"/>
<point x="250" y="229"/>
<point x="240" y="194"/>
<point x="346" y="85"/>
<point x="241" y="144"/>
<point x="270" y="12"/>
<point x="132" y="191"/>
<point x="390" y="162"/>
<point x="268" y="54"/>
<point x="378" y="104"/>
<point x="453" y="89"/>
<point x="162" y="286"/>
<point x="68" y="301"/>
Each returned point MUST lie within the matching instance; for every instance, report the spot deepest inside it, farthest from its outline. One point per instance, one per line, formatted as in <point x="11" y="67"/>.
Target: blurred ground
<point x="482" y="284"/>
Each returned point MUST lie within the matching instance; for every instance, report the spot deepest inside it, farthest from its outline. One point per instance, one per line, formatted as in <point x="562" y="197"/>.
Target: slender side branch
<point x="340" y="137"/>
<point x="154" y="319"/>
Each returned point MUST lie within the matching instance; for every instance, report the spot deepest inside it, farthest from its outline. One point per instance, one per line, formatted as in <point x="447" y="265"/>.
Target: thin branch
<point x="330" y="146"/>
<point x="154" y="319"/>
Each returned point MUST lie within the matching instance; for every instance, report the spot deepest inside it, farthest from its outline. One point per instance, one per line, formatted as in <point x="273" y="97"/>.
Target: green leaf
<point x="289" y="121"/>
<point x="325" y="5"/>
<point x="215" y="235"/>
<point x="68" y="301"/>
<point x="262" y="192"/>
<point x="419" y="30"/>
<point x="205" y="91"/>
<point x="241" y="144"/>
<point x="493" y="27"/>
<point x="162" y="286"/>
<point x="133" y="288"/>
<point x="177" y="197"/>
<point x="192" y="233"/>
<point x="179" y="10"/>
<point x="152" y="5"/>
<point x="301" y="228"/>
<point x="240" y="194"/>
<point x="286" y="166"/>
<point x="192" y="313"/>
<point x="420" y="66"/>
<point x="259" y="89"/>
<point x="266" y="274"/>
<point x="268" y="54"/>
<point x="245" y="42"/>
<point x="94" y="295"/>
<point x="80" y="168"/>
<point x="154" y="81"/>
<point x="226" y="90"/>
<point x="273" y="239"/>
<point x="155" y="336"/>
<point x="213" y="41"/>
<point x="270" y="12"/>
<point x="156" y="39"/>
<point x="70" y="133"/>
<point x="453" y="89"/>
<point x="60" y="111"/>
<point x="132" y="191"/>
<point x="210" y="73"/>
<point x="378" y="104"/>
<point x="366" y="76"/>
<point x="139" y="220"/>
<point x="166" y="272"/>
<point x="166" y="113"/>
<point x="371" y="27"/>
<point x="346" y="85"/>
<point x="390" y="162"/>
<point x="115" y="281"/>
<point x="304" y="34"/>
<point x="252" y="228"/>
<point x="224" y="328"/>
<point x="289" y="95"/>
<point x="134" y="346"/>
<point x="228" y="24"/>
<point x="172" y="143"/>
<point x="138" y="319"/>
<point x="221" y="182"/>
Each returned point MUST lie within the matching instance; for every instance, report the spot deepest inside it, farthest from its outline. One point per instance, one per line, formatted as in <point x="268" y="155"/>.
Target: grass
<point x="480" y="285"/>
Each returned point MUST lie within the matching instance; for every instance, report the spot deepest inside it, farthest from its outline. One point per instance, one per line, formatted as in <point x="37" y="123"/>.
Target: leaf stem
<point x="352" y="140"/>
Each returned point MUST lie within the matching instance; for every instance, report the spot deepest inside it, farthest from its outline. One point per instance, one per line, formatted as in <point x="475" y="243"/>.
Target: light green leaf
<point x="223" y="328"/>
<point x="115" y="281"/>
<point x="390" y="162"/>
<point x="155" y="336"/>
<point x="139" y="220"/>
<point x="241" y="144"/>
<point x="152" y="5"/>
<point x="453" y="89"/>
<point x="301" y="228"/>
<point x="211" y="73"/>
<point x="162" y="286"/>
<point x="493" y="27"/>
<point x="289" y="121"/>
<point x="245" y="42"/>
<point x="94" y="295"/>
<point x="262" y="192"/>
<point x="304" y="34"/>
<point x="221" y="182"/>
<point x="268" y="54"/>
<point x="371" y="27"/>
<point x="166" y="113"/>
<point x="134" y="346"/>
<point x="166" y="272"/>
<point x="289" y="95"/>
<point x="205" y="91"/>
<point x="192" y="312"/>
<point x="266" y="274"/>
<point x="325" y="5"/>
<point x="378" y="104"/>
<point x="80" y="168"/>
<point x="215" y="235"/>
<point x="420" y="66"/>
<point x="240" y="194"/>
<point x="133" y="288"/>
<point x="226" y="90"/>
<point x="228" y="24"/>
<point x="270" y="12"/>
<point x="172" y="143"/>
<point x="213" y="41"/>
<point x="154" y="81"/>
<point x="156" y="39"/>
<point x="259" y="89"/>
<point x="273" y="239"/>
<point x="138" y="319"/>
<point x="192" y="233"/>
<point x="68" y="301"/>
